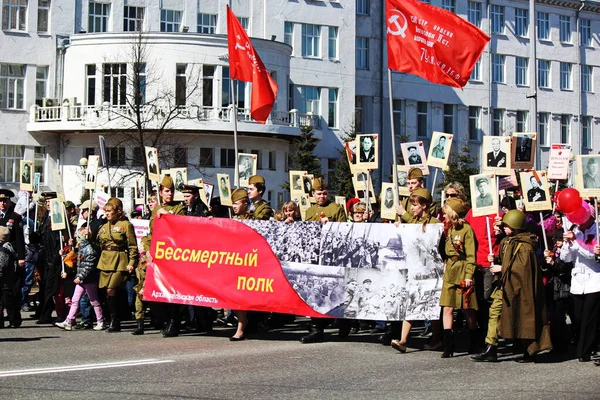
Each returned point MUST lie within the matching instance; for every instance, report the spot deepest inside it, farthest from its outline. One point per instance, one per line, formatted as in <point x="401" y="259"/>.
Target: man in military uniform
<point x="415" y="181"/>
<point x="324" y="211"/>
<point x="12" y="281"/>
<point x="485" y="198"/>
<point x="260" y="208"/>
<point x="240" y="206"/>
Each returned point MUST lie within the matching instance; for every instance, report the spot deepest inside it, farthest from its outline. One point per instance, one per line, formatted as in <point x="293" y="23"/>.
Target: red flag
<point x="431" y="42"/>
<point x="245" y="65"/>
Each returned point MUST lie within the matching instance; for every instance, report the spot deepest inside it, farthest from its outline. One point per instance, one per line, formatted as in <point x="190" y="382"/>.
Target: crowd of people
<point x="511" y="277"/>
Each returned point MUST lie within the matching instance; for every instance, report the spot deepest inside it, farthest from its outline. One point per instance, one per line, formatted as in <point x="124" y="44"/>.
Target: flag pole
<point x="235" y="142"/>
<point x="392" y="130"/>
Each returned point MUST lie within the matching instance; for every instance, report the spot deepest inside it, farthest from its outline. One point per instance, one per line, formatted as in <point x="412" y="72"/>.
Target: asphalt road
<point x="49" y="363"/>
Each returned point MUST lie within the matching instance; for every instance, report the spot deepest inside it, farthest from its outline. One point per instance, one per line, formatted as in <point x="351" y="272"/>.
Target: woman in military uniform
<point x="118" y="257"/>
<point x="458" y="290"/>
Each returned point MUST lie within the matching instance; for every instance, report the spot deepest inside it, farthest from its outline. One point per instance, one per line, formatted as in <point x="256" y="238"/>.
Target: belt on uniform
<point x="112" y="248"/>
<point x="457" y="258"/>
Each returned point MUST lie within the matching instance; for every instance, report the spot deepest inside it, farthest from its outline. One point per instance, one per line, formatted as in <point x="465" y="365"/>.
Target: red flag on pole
<point x="245" y="65"/>
<point x="431" y="42"/>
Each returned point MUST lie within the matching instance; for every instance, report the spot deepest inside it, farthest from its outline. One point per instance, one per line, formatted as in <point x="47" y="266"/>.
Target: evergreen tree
<point x="460" y="168"/>
<point x="301" y="154"/>
<point x="341" y="180"/>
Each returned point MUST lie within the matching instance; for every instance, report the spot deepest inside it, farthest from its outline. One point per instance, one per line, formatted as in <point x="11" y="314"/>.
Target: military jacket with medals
<point x="332" y="211"/>
<point x="118" y="245"/>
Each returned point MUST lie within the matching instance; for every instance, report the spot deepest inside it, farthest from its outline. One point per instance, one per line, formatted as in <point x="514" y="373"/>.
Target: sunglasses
<point x="451" y="194"/>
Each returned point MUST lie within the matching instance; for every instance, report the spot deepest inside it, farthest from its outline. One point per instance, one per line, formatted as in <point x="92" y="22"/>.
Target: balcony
<point x="106" y="117"/>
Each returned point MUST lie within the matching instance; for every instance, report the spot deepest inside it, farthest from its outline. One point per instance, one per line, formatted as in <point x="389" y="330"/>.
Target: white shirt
<point x="586" y="271"/>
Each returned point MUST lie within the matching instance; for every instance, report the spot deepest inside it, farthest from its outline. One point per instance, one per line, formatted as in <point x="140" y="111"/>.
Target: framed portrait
<point x="180" y="177"/>
<point x="152" y="164"/>
<point x="201" y="192"/>
<point x="297" y="183"/>
<point x="389" y="201"/>
<point x="91" y="173"/>
<point x="558" y="162"/>
<point x="209" y="189"/>
<point x="414" y="156"/>
<point x="26" y="181"/>
<point x="484" y="194"/>
<point x="341" y="201"/>
<point x="536" y="193"/>
<point x="402" y="176"/>
<point x="36" y="185"/>
<point x="351" y="149"/>
<point x="140" y="190"/>
<point x="589" y="175"/>
<point x="303" y="203"/>
<point x="57" y="215"/>
<point x="224" y="185"/>
<point x="439" y="151"/>
<point x="368" y="151"/>
<point x="360" y="182"/>
<point x="497" y="150"/>
<point x="246" y="167"/>
<point x="60" y="191"/>
<point x="523" y="150"/>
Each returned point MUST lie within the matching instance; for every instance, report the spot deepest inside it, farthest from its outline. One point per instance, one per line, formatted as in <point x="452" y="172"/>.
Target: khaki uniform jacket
<point x="118" y="245"/>
<point x="172" y="208"/>
<point x="332" y="211"/>
<point x="460" y="249"/>
<point x="407" y="216"/>
<point x="262" y="211"/>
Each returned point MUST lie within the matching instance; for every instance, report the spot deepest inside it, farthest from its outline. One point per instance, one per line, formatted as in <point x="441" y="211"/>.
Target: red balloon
<point x="568" y="201"/>
<point x="582" y="215"/>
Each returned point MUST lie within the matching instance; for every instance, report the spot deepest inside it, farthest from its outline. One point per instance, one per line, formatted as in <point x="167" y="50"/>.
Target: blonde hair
<point x="452" y="217"/>
<point x="359" y="207"/>
<point x="459" y="188"/>
<point x="291" y="205"/>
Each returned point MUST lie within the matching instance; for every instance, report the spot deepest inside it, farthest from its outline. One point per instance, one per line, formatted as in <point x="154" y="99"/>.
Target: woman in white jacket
<point x="580" y="247"/>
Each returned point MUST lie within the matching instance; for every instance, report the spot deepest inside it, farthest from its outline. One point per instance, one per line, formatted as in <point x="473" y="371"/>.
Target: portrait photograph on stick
<point x="368" y="153"/>
<point x="484" y="196"/>
<point x="351" y="149"/>
<point x="140" y="190"/>
<point x="558" y="162"/>
<point x="523" y="150"/>
<point x="589" y="175"/>
<point x="359" y="181"/>
<point x="26" y="182"/>
<point x="341" y="201"/>
<point x="224" y="189"/>
<point x="152" y="164"/>
<point x="402" y="176"/>
<point x="57" y="215"/>
<point x="439" y="151"/>
<point x="414" y="156"/>
<point x="179" y="176"/>
<point x="246" y="167"/>
<point x="91" y="173"/>
<point x="536" y="194"/>
<point x="389" y="201"/>
<point x="497" y="150"/>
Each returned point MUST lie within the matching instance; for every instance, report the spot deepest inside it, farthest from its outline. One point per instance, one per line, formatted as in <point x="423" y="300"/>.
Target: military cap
<point x="457" y="205"/>
<point x="254" y="179"/>
<point x="592" y="160"/>
<point x="482" y="179"/>
<point x="239" y="194"/>
<point x="367" y="281"/>
<point x="424" y="193"/>
<point x="184" y="188"/>
<point x="412" y="147"/>
<point x="4" y="234"/>
<point x="49" y="195"/>
<point x="69" y="204"/>
<point x="115" y="202"/>
<point x="319" y="184"/>
<point x="86" y="205"/>
<point x="415" y="173"/>
<point x="6" y="194"/>
<point x="167" y="182"/>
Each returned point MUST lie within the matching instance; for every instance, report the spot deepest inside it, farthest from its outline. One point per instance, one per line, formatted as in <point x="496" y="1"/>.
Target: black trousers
<point x="586" y="308"/>
<point x="560" y="333"/>
<point x="51" y="286"/>
<point x="9" y="300"/>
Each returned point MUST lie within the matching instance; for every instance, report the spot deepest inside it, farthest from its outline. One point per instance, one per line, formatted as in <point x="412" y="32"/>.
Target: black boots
<point x="139" y="330"/>
<point x="316" y="335"/>
<point x="345" y="326"/>
<point x="115" y="323"/>
<point x="448" y="342"/>
<point x="474" y="341"/>
<point x="172" y="329"/>
<point x="490" y="354"/>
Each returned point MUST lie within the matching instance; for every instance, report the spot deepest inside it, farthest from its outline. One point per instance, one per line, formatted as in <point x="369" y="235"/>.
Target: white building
<point x="328" y="58"/>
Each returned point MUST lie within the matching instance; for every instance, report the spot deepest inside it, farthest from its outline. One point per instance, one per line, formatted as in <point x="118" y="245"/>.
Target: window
<point x="115" y="84"/>
<point x="117" y="191"/>
<point x="288" y="33"/>
<point x="133" y="19"/>
<point x="564" y="28"/>
<point x="476" y="73"/>
<point x="498" y="122"/>
<point x="362" y="52"/>
<point x="208" y="72"/>
<point x="139" y="83"/>
<point x="227" y="158"/>
<point x="543" y="121"/>
<point x="238" y="86"/>
<point x="544" y="73"/>
<point x="498" y="68"/>
<point x="206" y="157"/>
<point x="39" y="161"/>
<point x="14" y="15"/>
<point x="449" y="5"/>
<point x="310" y="96"/>
<point x="522" y="120"/>
<point x="474" y="123"/>
<point x="585" y="26"/>
<point x="398" y="117"/>
<point x="207" y="23"/>
<point x="497" y="13"/>
<point x="180" y="157"/>
<point x="170" y="21"/>
<point x="90" y="77"/>
<point x="474" y="13"/>
<point x="565" y="128"/>
<point x="333" y="108"/>
<point x="10" y="156"/>
<point x="311" y="40"/>
<point x="98" y="17"/>
<point x="543" y="25"/>
<point x="521" y="71"/>
<point x="138" y="157"/>
<point x="565" y="76"/>
<point x="116" y="156"/>
<point x="43" y="15"/>
<point x="243" y="23"/>
<point x="422" y="118"/>
<point x="586" y="78"/>
<point x="273" y="160"/>
<point x="449" y="118"/>
<point x="333" y="42"/>
<point x="41" y="83"/>
<point x="521" y="22"/>
<point x="358" y="111"/>
<point x="90" y="151"/>
<point x="362" y="7"/>
<point x="180" y="84"/>
<point x="12" y="83"/>
<point x="258" y="154"/>
<point x="586" y="132"/>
